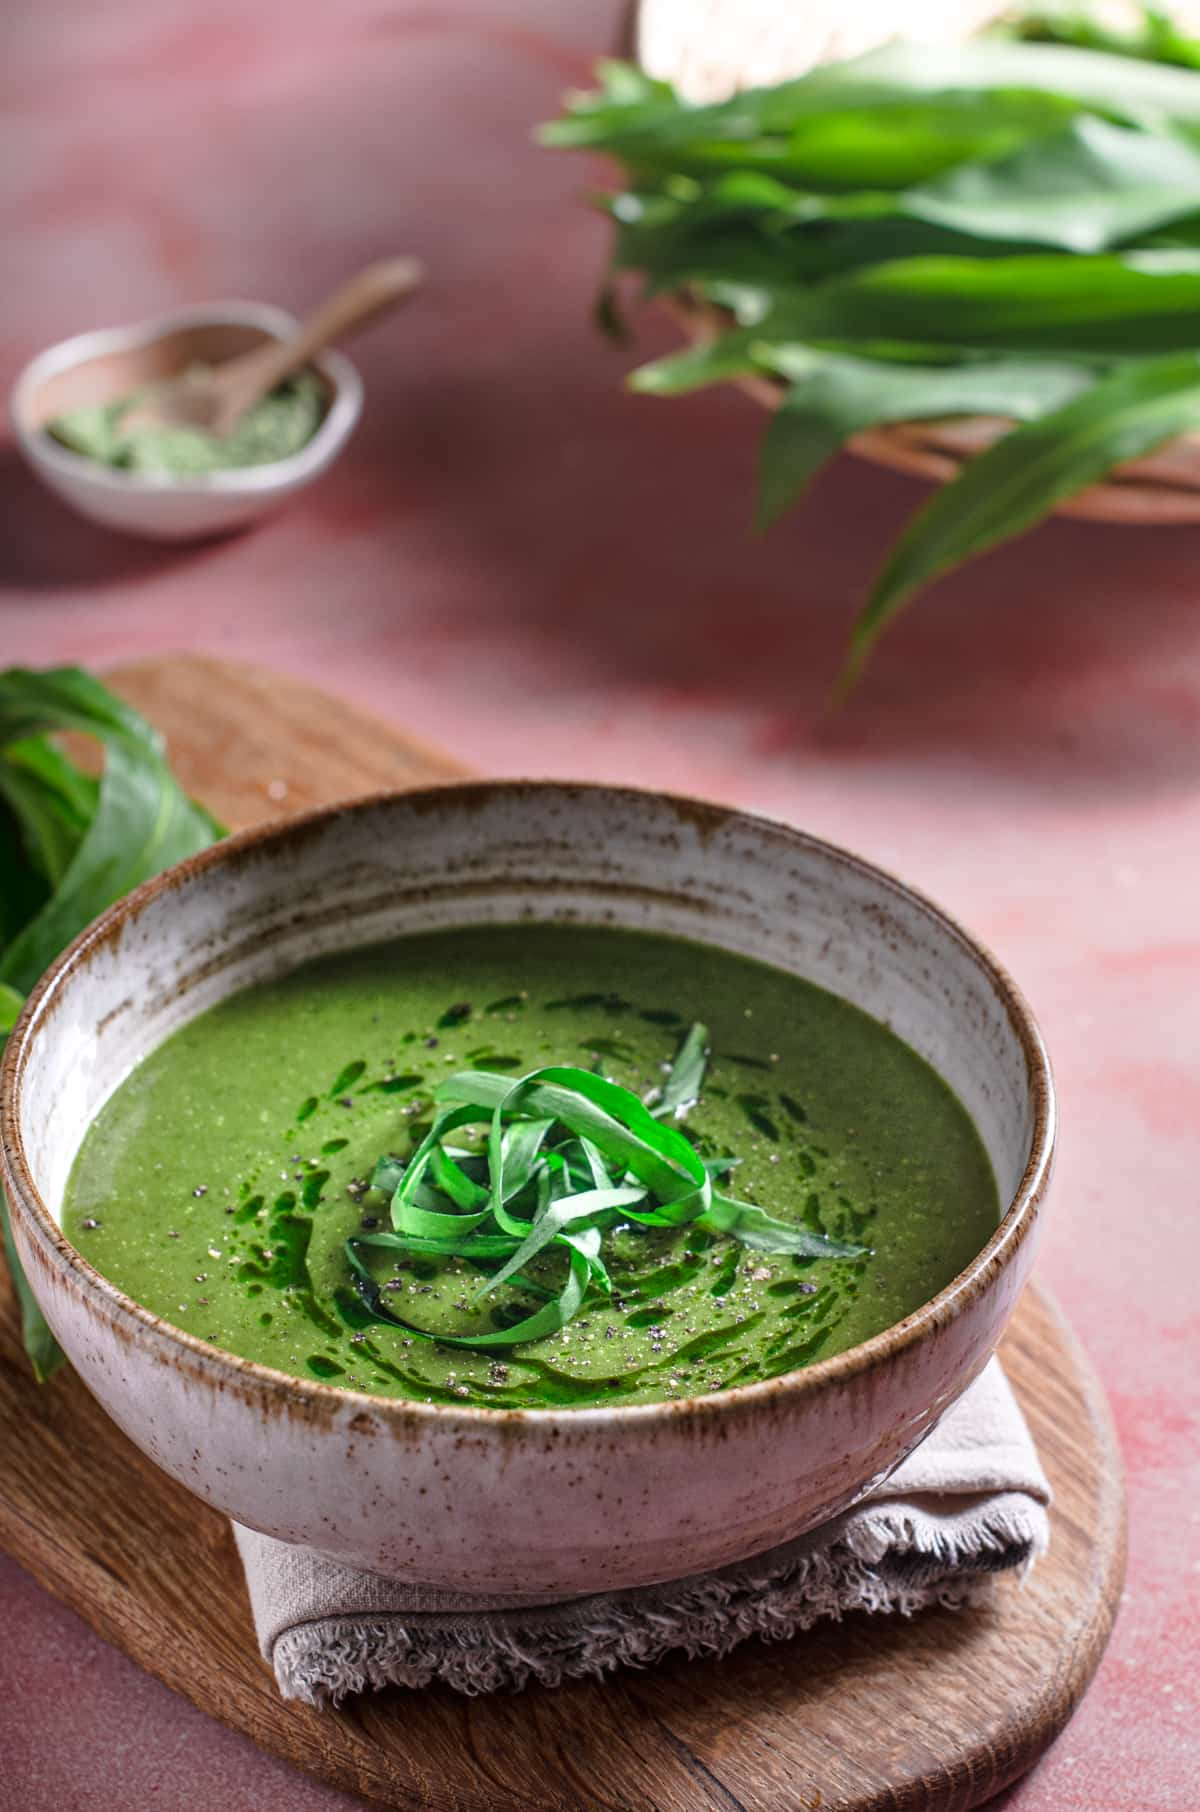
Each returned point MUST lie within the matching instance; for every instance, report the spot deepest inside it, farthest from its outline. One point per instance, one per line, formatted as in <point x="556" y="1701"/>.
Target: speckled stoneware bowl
<point x="535" y="1502"/>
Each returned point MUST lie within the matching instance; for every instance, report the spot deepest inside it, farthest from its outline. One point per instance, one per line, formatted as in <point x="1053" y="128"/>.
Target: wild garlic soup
<point x="530" y="1166"/>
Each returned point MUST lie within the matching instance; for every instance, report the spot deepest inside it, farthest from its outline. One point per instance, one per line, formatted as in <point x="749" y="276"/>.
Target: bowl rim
<point x="42" y="450"/>
<point x="1016" y="1224"/>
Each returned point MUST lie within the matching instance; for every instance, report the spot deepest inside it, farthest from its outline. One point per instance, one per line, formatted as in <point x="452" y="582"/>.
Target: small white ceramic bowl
<point x="538" y="1502"/>
<point x="109" y="362"/>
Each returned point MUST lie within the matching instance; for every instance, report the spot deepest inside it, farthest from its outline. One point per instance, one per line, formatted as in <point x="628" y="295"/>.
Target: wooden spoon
<point x="215" y="399"/>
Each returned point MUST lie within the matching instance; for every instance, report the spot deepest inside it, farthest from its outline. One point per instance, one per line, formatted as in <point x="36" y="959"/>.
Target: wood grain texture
<point x="935" y="1715"/>
<point x="255" y="745"/>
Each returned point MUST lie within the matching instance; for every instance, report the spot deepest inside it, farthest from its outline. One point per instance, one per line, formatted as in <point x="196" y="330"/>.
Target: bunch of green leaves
<point x="1150" y="34"/>
<point x="1001" y="228"/>
<point x="71" y="844"/>
<point x="569" y="1157"/>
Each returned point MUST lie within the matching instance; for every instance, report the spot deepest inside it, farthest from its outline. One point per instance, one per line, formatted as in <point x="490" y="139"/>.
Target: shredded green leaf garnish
<point x="569" y="1157"/>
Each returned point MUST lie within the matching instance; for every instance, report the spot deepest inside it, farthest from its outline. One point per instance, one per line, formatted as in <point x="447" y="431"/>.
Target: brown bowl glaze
<point x="443" y="1495"/>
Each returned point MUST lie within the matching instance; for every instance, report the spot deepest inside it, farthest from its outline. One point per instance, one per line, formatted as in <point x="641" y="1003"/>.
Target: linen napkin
<point x="968" y="1503"/>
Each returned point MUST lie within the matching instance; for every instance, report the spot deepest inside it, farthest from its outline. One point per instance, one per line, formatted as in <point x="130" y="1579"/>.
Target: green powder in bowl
<point x="276" y="428"/>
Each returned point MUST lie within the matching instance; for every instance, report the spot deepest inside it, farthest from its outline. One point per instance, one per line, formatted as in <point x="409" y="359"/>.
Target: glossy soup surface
<point x="219" y="1183"/>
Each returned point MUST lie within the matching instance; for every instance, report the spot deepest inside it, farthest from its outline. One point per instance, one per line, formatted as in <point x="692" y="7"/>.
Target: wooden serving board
<point x="933" y="1715"/>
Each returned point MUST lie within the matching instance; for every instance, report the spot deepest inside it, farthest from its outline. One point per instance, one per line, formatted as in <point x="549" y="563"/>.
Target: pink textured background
<point x="552" y="577"/>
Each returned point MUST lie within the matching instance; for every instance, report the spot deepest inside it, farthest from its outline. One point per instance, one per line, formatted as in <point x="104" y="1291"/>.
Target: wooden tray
<point x="939" y="1713"/>
<point x="711" y="50"/>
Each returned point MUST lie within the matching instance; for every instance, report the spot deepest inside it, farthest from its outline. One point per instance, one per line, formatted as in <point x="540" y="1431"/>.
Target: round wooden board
<point x="933" y="1715"/>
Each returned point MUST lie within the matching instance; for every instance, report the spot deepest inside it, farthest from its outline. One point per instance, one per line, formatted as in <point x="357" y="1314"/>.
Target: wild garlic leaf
<point x="874" y="135"/>
<point x="41" y="1348"/>
<point x="832" y="397"/>
<point x="142" y="822"/>
<point x="521" y="1145"/>
<point x="52" y="801"/>
<point x="387" y="1174"/>
<point x="10" y="1005"/>
<point x="1094" y="307"/>
<point x="24" y="888"/>
<point x="70" y="845"/>
<point x="1092" y="80"/>
<point x="548" y="1319"/>
<point x="411" y="1213"/>
<point x="1110" y="303"/>
<point x="613" y="1119"/>
<point x="1020" y="478"/>
<point x="33" y="701"/>
<point x="754" y="1227"/>
<point x="570" y="1157"/>
<point x="566" y="1213"/>
<point x="1150" y="34"/>
<point x="1088" y="187"/>
<point x="938" y="207"/>
<point x="714" y="360"/>
<point x="681" y="1091"/>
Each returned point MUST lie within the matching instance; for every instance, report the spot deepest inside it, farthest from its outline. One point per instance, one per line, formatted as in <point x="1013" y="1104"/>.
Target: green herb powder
<point x="275" y="428"/>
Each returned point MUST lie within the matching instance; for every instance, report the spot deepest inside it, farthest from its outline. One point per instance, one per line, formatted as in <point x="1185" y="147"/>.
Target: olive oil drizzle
<point x="647" y="1295"/>
<point x="692" y="1310"/>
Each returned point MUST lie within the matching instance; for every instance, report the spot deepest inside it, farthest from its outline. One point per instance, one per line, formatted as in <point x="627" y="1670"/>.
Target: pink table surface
<point x="550" y="576"/>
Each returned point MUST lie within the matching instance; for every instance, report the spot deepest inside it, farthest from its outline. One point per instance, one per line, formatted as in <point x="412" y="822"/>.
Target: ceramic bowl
<point x="544" y="1502"/>
<point x="98" y="367"/>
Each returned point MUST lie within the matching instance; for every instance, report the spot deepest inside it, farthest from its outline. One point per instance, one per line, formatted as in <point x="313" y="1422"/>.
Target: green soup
<point x="219" y="1184"/>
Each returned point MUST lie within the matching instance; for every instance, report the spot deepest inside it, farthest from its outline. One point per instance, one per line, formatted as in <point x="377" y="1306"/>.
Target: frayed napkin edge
<point x="327" y="1660"/>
